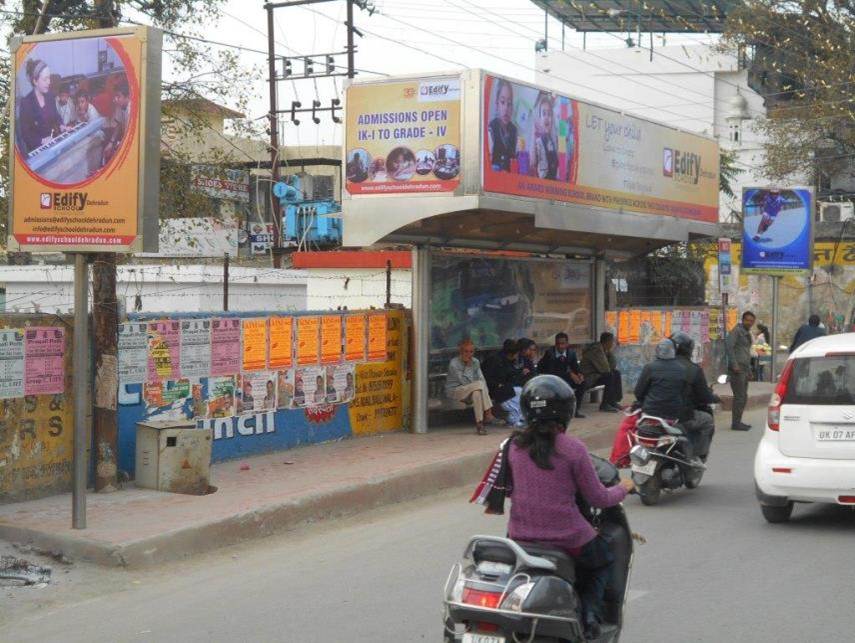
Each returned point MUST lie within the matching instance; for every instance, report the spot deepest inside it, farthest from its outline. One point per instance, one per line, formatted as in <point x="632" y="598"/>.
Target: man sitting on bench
<point x="465" y="383"/>
<point x="598" y="367"/>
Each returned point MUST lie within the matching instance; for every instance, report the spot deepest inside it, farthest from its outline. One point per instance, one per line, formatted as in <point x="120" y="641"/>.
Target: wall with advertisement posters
<point x="84" y="173"/>
<point x="543" y="145"/>
<point x="263" y="381"/>
<point x="403" y="137"/>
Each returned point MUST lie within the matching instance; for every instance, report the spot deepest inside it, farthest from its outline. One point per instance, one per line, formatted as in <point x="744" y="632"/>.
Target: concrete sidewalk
<point x="758" y="394"/>
<point x="262" y="495"/>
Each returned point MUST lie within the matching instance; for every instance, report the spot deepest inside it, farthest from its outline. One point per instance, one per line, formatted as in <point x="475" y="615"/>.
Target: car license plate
<point x="836" y="434"/>
<point x="469" y="637"/>
<point x="646" y="469"/>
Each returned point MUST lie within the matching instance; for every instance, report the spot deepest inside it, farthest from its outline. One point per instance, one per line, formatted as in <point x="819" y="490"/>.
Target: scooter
<point x="506" y="591"/>
<point x="658" y="459"/>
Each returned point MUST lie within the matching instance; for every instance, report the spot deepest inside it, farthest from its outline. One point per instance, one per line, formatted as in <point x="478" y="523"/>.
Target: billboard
<point x="490" y="299"/>
<point x="220" y="183"/>
<point x="543" y="145"/>
<point x="85" y="133"/>
<point x="403" y="137"/>
<point x="776" y="230"/>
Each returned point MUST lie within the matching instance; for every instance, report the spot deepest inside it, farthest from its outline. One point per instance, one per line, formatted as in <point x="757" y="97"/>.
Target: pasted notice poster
<point x="163" y="351"/>
<point x="221" y="396"/>
<point x="330" y="339"/>
<point x="377" y="337"/>
<point x="285" y="389"/>
<point x="133" y="353"/>
<point x="225" y="347"/>
<point x="11" y="363"/>
<point x="196" y="348"/>
<point x="43" y="369"/>
<point x="354" y="338"/>
<point x="623" y="327"/>
<point x="310" y="387"/>
<point x="254" y="344"/>
<point x="257" y="392"/>
<point x="281" y="342"/>
<point x="308" y="340"/>
<point x="341" y="384"/>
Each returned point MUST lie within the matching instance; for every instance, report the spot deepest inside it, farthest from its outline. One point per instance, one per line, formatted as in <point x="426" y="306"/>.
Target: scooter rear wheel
<point x="651" y="490"/>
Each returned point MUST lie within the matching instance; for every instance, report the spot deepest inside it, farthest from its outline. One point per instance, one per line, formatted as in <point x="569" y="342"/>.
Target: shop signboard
<point x="777" y="230"/>
<point x="544" y="145"/>
<point x="220" y="183"/>
<point x="403" y="137"/>
<point x="84" y="172"/>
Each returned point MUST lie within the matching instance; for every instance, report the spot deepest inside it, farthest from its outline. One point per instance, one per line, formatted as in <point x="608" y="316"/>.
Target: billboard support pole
<point x="774" y="330"/>
<point x="421" y="336"/>
<point x="81" y="391"/>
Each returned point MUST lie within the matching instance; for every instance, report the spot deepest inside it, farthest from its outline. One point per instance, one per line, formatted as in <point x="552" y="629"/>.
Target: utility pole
<point x="226" y="282"/>
<point x="274" y="140"/>
<point x="388" y="282"/>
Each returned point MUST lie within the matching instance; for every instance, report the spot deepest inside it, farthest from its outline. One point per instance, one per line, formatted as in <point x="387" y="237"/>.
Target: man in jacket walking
<point x="807" y="332"/>
<point x="599" y="369"/>
<point x="738" y="351"/>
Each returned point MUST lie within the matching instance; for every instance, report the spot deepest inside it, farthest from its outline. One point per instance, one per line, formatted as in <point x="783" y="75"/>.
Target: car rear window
<point x="822" y="380"/>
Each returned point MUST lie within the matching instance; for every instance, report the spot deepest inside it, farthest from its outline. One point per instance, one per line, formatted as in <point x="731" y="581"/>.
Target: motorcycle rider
<point x="548" y="468"/>
<point x="698" y="420"/>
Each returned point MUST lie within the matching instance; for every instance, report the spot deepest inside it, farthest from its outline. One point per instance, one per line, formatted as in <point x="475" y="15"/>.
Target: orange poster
<point x="377" y="337"/>
<point x="308" y="340"/>
<point x="623" y="327"/>
<point x="656" y="325"/>
<point x="354" y="338"/>
<point x="732" y="318"/>
<point x="666" y="325"/>
<point x="634" y="326"/>
<point x="281" y="345"/>
<point x="254" y="344"/>
<point x="611" y="320"/>
<point x="330" y="339"/>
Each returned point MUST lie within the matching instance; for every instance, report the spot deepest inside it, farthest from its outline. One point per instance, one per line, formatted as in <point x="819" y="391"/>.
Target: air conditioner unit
<point x="836" y="212"/>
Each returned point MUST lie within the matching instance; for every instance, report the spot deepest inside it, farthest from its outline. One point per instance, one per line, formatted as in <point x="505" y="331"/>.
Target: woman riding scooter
<point x="548" y="468"/>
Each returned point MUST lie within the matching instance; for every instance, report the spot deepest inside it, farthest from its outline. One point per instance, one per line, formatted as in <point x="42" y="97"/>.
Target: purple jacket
<point x="543" y="501"/>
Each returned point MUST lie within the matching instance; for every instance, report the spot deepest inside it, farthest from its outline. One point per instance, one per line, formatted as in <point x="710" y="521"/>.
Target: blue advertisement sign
<point x="776" y="230"/>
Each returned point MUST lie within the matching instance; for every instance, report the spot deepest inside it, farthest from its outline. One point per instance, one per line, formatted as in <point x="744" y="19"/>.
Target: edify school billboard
<point x="85" y="132"/>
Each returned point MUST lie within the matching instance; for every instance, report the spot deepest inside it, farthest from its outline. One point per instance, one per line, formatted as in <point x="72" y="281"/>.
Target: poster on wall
<point x="403" y="137"/>
<point x="331" y="339"/>
<point x="256" y="392"/>
<point x="377" y="339"/>
<point x="164" y="354"/>
<point x="85" y="135"/>
<point x="543" y="145"/>
<point x="196" y="348"/>
<point x="281" y="342"/>
<point x="133" y="353"/>
<point x="341" y="383"/>
<point x="221" y="396"/>
<point x="285" y="389"/>
<point x="44" y="348"/>
<point x="308" y="340"/>
<point x="310" y="386"/>
<point x="180" y="399"/>
<point x="777" y="237"/>
<point x="225" y="346"/>
<point x="11" y="363"/>
<point x="491" y="299"/>
<point x="354" y="338"/>
<point x="254" y="344"/>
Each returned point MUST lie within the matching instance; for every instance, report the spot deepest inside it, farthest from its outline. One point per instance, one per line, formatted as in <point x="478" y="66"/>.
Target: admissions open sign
<point x="84" y="174"/>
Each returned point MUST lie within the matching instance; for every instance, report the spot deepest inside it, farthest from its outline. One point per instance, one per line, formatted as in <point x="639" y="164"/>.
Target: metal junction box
<point x="173" y="456"/>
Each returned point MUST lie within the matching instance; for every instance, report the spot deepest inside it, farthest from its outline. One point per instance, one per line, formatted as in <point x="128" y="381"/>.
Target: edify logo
<point x="63" y="200"/>
<point x="409" y="92"/>
<point x="684" y="167"/>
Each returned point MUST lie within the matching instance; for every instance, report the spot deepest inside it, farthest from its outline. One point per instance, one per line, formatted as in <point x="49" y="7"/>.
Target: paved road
<point x="712" y="570"/>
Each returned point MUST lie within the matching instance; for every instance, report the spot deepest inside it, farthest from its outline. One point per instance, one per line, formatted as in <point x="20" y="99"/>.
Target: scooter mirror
<point x="722" y="379"/>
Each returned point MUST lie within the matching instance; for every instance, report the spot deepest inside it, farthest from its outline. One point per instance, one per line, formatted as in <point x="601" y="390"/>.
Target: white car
<point x="807" y="453"/>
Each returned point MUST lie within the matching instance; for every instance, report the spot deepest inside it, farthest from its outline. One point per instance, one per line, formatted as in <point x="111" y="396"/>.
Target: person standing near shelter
<point x="598" y="367"/>
<point x="562" y="362"/>
<point x="738" y="351"/>
<point x="465" y="383"/>
<point x="504" y="381"/>
<point x="807" y="332"/>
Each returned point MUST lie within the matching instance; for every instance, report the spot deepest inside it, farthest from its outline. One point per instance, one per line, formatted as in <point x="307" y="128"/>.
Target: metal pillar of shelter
<point x="421" y="336"/>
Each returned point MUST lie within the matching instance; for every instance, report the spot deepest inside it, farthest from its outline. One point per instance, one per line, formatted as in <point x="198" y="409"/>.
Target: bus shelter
<point x="474" y="161"/>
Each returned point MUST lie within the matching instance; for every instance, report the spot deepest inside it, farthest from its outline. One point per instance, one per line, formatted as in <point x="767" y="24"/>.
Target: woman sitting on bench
<point x="465" y="383"/>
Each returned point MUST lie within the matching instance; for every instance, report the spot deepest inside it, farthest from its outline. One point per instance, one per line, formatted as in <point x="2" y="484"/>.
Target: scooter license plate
<point x="646" y="469"/>
<point x="469" y="637"/>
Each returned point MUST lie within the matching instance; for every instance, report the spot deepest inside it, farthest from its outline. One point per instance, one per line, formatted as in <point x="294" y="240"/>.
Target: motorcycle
<point x="515" y="592"/>
<point x="658" y="459"/>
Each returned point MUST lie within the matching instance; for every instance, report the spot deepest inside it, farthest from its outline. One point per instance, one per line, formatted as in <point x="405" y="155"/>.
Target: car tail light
<point x="482" y="599"/>
<point x="846" y="500"/>
<point x="781" y="470"/>
<point x="774" y="415"/>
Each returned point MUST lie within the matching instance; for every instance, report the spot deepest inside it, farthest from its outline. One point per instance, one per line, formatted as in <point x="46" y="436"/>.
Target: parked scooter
<point x="658" y="459"/>
<point x="508" y="591"/>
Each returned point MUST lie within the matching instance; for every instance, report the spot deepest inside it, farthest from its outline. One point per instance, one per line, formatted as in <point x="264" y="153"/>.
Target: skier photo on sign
<point x="772" y="205"/>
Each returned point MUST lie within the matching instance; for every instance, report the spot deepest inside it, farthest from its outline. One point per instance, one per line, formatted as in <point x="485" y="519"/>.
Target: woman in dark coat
<point x="38" y="119"/>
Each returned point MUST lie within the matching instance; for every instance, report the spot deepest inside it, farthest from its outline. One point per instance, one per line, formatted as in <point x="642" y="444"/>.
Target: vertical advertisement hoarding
<point x="403" y="137"/>
<point x="543" y="145"/>
<point x="85" y="134"/>
<point x="777" y="236"/>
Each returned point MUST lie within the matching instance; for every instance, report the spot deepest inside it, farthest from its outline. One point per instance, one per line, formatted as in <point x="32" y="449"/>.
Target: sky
<point x="402" y="37"/>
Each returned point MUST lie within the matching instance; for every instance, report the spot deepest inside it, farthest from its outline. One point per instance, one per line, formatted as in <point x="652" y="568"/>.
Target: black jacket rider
<point x="663" y="389"/>
<point x="700" y="394"/>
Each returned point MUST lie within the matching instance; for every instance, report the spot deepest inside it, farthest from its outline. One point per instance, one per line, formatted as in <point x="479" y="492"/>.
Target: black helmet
<point x="547" y="397"/>
<point x="684" y="343"/>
